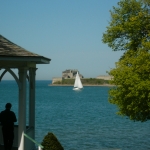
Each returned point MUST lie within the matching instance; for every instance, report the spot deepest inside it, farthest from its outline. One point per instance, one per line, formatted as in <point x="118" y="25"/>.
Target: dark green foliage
<point x="94" y="81"/>
<point x="58" y="82"/>
<point x="68" y="81"/>
<point x="132" y="93"/>
<point x="129" y="30"/>
<point x="129" y="25"/>
<point x="90" y="81"/>
<point x="50" y="142"/>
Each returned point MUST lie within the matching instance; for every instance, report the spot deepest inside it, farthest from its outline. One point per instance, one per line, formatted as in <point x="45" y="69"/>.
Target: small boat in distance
<point x="78" y="84"/>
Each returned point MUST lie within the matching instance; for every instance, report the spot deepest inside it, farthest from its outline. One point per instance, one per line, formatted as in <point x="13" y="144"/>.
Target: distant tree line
<point x="90" y="81"/>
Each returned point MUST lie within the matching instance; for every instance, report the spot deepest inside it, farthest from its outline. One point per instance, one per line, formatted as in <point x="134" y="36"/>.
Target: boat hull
<point x="77" y="89"/>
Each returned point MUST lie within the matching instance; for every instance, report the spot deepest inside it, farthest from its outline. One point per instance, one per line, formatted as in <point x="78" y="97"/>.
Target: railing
<point x="39" y="145"/>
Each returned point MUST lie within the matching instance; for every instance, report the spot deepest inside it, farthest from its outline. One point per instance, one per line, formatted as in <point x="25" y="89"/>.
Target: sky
<point x="69" y="32"/>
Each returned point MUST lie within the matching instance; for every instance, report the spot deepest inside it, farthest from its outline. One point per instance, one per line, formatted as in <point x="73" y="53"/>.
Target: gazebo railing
<point x="40" y="147"/>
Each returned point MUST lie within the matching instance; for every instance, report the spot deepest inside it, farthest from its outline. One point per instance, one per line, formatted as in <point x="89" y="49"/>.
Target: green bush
<point x="57" y="82"/>
<point x="90" y="81"/>
<point x="50" y="142"/>
<point x="68" y="81"/>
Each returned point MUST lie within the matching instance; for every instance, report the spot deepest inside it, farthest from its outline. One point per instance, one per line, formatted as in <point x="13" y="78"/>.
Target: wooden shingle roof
<point x="11" y="51"/>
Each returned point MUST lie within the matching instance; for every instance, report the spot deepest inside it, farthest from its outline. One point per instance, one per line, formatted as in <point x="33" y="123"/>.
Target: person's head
<point x="8" y="106"/>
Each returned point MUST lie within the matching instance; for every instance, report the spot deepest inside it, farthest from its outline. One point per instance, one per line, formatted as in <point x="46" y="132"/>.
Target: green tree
<point x="129" y="25"/>
<point x="132" y="80"/>
<point x="50" y="142"/>
<point x="147" y="2"/>
<point x="129" y="30"/>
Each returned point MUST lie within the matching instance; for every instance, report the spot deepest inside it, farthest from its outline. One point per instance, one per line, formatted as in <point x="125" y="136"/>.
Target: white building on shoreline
<point x="104" y="77"/>
<point x="70" y="74"/>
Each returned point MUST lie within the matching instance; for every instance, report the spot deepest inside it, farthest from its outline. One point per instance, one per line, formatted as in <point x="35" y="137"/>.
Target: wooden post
<point x="32" y="73"/>
<point x="22" y="108"/>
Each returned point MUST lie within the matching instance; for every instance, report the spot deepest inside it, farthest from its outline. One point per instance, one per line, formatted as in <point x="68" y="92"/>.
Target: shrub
<point x="50" y="142"/>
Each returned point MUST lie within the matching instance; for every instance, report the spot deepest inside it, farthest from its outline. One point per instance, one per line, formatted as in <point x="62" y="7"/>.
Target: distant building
<point x="70" y="74"/>
<point x="104" y="77"/>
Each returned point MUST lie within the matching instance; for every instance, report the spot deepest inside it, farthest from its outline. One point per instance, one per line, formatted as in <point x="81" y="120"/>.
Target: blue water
<point x="82" y="120"/>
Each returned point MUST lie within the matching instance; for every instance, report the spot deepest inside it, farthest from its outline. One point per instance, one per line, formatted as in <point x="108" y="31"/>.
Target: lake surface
<point x="81" y="120"/>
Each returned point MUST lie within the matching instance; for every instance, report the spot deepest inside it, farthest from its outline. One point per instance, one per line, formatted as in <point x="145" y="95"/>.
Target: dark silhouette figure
<point x="7" y="119"/>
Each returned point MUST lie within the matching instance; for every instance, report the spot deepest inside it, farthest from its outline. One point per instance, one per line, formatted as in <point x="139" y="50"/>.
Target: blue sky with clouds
<point x="67" y="31"/>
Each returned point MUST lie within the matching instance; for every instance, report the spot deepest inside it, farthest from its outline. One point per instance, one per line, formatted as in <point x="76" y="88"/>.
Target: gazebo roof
<point x="12" y="52"/>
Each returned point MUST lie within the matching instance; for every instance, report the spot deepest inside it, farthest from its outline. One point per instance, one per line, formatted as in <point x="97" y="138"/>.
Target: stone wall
<point x="56" y="79"/>
<point x="104" y="77"/>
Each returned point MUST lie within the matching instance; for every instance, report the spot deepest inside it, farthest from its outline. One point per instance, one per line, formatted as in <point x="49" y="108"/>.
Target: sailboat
<point x="78" y="84"/>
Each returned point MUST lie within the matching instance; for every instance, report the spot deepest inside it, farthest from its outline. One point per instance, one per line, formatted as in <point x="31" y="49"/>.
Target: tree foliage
<point x="129" y="30"/>
<point x="129" y="25"/>
<point x="50" y="142"/>
<point x="132" y="93"/>
<point x="147" y="2"/>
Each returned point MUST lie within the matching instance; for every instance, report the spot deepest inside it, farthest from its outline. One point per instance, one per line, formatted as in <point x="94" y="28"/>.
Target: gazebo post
<point x="32" y="73"/>
<point x="22" y="108"/>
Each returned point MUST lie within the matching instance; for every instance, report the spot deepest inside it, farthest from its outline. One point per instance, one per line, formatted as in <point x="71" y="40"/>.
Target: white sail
<point x="78" y="83"/>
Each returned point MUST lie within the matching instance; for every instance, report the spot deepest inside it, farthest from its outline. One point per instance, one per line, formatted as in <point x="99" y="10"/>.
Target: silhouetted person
<point x="7" y="119"/>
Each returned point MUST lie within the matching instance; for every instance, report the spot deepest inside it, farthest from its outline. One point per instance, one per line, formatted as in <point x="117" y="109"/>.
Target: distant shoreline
<point x="107" y="85"/>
